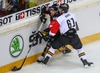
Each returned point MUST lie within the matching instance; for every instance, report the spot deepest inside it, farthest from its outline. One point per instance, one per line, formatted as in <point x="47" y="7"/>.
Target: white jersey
<point x="66" y="21"/>
<point x="63" y="23"/>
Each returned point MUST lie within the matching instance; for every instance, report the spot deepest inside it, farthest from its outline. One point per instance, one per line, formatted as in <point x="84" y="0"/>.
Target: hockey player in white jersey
<point x="54" y="13"/>
<point x="67" y="25"/>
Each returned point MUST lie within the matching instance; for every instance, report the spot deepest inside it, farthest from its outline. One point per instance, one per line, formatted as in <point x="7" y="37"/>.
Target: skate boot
<point x="46" y="60"/>
<point x="86" y="63"/>
<point x="66" y="51"/>
<point x="40" y="59"/>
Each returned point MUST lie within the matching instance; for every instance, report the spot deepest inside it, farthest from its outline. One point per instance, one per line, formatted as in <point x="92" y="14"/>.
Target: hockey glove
<point x="46" y="30"/>
<point x="45" y="10"/>
<point x="42" y="18"/>
<point x="42" y="35"/>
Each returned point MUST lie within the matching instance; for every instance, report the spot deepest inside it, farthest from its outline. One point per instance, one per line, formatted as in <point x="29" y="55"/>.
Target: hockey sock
<point x="81" y="53"/>
<point x="50" y="52"/>
<point x="41" y="58"/>
<point x="49" y="55"/>
<point x="82" y="56"/>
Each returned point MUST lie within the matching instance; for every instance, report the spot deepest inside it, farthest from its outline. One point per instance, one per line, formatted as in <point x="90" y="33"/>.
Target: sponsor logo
<point x="5" y="20"/>
<point x="16" y="46"/>
<point x="21" y="15"/>
<point x="31" y="38"/>
<point x="27" y="13"/>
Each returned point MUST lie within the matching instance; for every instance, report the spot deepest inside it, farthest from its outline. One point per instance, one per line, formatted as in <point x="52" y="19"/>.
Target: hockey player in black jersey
<point x="54" y="13"/>
<point x="66" y="22"/>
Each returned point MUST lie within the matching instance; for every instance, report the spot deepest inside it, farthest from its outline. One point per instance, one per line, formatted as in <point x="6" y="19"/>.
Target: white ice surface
<point x="69" y="63"/>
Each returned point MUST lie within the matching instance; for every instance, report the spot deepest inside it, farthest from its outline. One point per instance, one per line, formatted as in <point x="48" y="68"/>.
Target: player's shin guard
<point x="81" y="53"/>
<point x="49" y="55"/>
<point x="82" y="56"/>
<point x="41" y="58"/>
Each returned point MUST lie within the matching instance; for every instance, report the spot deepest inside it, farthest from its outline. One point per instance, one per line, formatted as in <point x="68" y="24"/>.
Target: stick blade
<point x="15" y="68"/>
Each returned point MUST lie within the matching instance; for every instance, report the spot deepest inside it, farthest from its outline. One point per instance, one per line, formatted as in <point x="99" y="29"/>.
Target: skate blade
<point x="86" y="66"/>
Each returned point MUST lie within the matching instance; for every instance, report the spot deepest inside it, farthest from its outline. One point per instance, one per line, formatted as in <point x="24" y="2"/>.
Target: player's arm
<point x="77" y="27"/>
<point x="54" y="27"/>
<point x="43" y="14"/>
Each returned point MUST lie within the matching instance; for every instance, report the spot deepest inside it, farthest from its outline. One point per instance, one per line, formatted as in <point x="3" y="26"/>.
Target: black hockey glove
<point x="45" y="10"/>
<point x="42" y="18"/>
<point x="46" y="30"/>
<point x="42" y="35"/>
<point x="39" y="34"/>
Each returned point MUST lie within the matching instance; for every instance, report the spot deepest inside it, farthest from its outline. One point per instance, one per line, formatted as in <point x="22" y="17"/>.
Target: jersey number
<point x="71" y="23"/>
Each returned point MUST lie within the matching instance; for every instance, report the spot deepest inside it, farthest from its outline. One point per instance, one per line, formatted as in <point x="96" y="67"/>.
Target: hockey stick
<point x="15" y="68"/>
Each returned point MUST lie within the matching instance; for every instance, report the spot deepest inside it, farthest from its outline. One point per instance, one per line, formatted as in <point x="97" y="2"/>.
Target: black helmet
<point x="54" y="7"/>
<point x="64" y="7"/>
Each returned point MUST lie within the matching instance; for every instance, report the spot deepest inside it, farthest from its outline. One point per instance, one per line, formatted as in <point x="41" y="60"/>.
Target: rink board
<point x="32" y="59"/>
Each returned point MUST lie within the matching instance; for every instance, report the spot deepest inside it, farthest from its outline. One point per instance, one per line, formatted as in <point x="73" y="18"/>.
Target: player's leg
<point x="83" y="58"/>
<point x="41" y="58"/>
<point x="66" y="50"/>
<point x="49" y="55"/>
<point x="54" y="46"/>
<point x="76" y="43"/>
